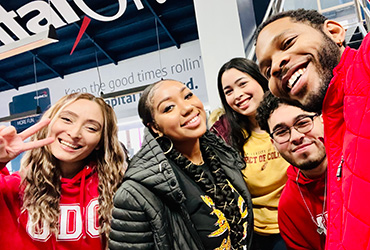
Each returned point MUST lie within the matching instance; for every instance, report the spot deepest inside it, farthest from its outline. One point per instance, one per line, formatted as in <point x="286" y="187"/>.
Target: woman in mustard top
<point x="241" y="88"/>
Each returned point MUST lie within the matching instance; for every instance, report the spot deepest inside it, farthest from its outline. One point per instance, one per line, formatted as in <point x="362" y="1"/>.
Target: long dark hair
<point x="238" y="122"/>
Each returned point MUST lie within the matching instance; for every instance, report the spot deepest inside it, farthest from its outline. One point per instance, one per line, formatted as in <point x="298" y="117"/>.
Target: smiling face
<point x="177" y="112"/>
<point x="298" y="59"/>
<point x="242" y="93"/>
<point x="305" y="151"/>
<point x="77" y="131"/>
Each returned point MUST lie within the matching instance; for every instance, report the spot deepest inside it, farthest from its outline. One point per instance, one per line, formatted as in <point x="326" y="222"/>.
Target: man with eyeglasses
<point x="298" y="136"/>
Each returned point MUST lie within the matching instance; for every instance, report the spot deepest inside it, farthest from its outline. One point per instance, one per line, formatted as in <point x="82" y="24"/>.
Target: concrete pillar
<point x="220" y="40"/>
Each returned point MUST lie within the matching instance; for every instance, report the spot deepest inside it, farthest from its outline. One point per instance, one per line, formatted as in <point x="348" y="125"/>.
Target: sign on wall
<point x="32" y="101"/>
<point x="184" y="64"/>
<point x="57" y="12"/>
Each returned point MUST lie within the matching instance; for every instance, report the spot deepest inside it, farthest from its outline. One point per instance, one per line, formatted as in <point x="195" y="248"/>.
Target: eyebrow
<point x="169" y="97"/>
<point x="236" y="81"/>
<point x="263" y="63"/>
<point x="67" y="112"/>
<point x="282" y="124"/>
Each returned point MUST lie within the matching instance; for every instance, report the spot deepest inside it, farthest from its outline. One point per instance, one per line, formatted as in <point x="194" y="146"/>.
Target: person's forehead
<point x="282" y="24"/>
<point x="167" y="90"/>
<point x="168" y="86"/>
<point x="270" y="35"/>
<point x="285" y="114"/>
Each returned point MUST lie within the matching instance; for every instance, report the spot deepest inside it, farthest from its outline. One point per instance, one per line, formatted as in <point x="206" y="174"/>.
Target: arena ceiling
<point x="130" y="34"/>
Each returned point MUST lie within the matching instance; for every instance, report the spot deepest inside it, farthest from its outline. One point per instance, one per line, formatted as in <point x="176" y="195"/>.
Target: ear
<point x="273" y="143"/>
<point x="335" y="31"/>
<point x="321" y="119"/>
<point x="155" y="128"/>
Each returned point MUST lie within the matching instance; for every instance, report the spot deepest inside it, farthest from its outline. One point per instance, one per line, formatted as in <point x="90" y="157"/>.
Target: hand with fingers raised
<point x="12" y="144"/>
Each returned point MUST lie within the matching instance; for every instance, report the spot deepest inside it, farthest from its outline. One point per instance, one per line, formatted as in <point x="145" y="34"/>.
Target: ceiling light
<point x="32" y="42"/>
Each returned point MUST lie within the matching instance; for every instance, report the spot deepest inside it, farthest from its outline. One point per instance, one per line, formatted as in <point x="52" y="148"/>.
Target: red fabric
<point x="347" y="135"/>
<point x="295" y="222"/>
<point x="3" y="169"/>
<point x="14" y="236"/>
<point x="221" y="128"/>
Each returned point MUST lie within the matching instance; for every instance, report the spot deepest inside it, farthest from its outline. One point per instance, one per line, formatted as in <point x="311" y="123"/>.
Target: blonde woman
<point x="62" y="197"/>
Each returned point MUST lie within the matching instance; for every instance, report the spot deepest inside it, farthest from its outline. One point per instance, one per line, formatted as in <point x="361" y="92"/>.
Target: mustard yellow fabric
<point x="265" y="175"/>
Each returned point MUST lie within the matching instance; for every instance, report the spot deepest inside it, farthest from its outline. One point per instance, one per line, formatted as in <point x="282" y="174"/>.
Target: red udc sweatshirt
<point x="79" y="226"/>
<point x="295" y="223"/>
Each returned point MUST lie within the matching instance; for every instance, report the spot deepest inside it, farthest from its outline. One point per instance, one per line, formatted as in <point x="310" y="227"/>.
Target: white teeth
<point x="192" y="120"/>
<point x="68" y="144"/>
<point x="295" y="76"/>
<point x="244" y="102"/>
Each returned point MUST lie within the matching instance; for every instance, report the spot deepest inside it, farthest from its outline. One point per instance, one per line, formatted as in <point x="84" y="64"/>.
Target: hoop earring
<point x="161" y="139"/>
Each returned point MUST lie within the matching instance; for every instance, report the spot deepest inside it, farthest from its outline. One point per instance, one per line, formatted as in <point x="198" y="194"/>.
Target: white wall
<point x="220" y="39"/>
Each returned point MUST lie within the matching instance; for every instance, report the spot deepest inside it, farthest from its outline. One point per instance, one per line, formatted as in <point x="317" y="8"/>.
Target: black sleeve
<point x="137" y="221"/>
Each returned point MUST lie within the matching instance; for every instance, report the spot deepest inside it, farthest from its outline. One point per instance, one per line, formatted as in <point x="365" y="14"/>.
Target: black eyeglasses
<point x="302" y="125"/>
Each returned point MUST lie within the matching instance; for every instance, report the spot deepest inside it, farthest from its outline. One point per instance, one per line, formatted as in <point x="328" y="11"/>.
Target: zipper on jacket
<point x="339" y="170"/>
<point x="191" y="228"/>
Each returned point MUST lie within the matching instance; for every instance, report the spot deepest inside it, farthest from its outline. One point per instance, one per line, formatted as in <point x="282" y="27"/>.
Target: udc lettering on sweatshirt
<point x="71" y="223"/>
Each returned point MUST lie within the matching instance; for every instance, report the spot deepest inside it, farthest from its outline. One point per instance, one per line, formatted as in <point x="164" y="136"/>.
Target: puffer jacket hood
<point x="151" y="168"/>
<point x="292" y="175"/>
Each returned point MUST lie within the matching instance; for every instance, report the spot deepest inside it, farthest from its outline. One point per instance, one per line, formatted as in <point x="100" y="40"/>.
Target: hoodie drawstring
<point x="82" y="199"/>
<point x="339" y="170"/>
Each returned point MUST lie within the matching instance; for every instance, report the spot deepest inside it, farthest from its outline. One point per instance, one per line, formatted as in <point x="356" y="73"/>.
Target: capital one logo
<point x="44" y="11"/>
<point x="70" y="223"/>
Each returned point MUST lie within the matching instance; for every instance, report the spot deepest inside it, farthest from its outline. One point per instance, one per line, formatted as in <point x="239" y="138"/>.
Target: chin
<point x="309" y="164"/>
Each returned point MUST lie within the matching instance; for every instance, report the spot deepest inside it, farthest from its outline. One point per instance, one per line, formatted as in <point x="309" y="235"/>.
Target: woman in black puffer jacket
<point x="184" y="188"/>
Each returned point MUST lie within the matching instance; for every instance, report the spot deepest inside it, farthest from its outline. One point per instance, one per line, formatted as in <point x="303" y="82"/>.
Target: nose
<point x="186" y="109"/>
<point x="238" y="93"/>
<point x="278" y="65"/>
<point x="295" y="136"/>
<point x="74" y="132"/>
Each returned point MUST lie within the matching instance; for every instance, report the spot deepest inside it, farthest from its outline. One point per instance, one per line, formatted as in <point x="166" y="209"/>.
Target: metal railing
<point x="363" y="15"/>
<point x="275" y="6"/>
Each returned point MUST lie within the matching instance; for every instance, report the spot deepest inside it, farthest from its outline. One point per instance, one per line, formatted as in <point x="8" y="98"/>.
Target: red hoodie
<point x="79" y="227"/>
<point x="296" y="226"/>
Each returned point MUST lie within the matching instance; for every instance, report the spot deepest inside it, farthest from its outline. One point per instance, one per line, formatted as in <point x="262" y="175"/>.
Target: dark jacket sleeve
<point x="137" y="221"/>
<point x="221" y="128"/>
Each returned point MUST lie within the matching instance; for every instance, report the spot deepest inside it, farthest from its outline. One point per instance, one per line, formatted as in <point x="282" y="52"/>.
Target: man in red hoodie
<point x="298" y="136"/>
<point x="305" y="59"/>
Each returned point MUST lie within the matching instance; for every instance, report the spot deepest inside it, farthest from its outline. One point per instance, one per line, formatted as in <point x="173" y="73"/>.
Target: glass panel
<point x="331" y="3"/>
<point x="296" y="4"/>
<point x="345" y="16"/>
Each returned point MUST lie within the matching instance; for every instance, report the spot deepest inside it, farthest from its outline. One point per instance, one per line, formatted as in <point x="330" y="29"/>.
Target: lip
<point x="69" y="146"/>
<point x="290" y="72"/>
<point x="239" y="103"/>
<point x="193" y="124"/>
<point x="302" y="147"/>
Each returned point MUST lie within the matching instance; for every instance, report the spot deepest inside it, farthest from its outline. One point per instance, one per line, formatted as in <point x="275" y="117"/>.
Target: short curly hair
<point x="310" y="17"/>
<point x="269" y="104"/>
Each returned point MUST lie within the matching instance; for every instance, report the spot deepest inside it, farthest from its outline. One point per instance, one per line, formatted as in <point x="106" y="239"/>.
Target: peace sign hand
<point x="11" y="143"/>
